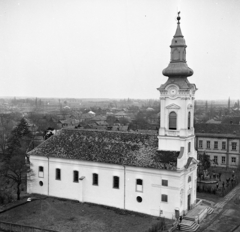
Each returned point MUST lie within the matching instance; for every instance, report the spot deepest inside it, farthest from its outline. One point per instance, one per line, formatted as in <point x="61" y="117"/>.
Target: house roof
<point x="149" y="109"/>
<point x="102" y="123"/>
<point x="212" y="121"/>
<point x="121" y="113"/>
<point x="231" y="120"/>
<point x="122" y="148"/>
<point x="99" y="118"/>
<point x="217" y="129"/>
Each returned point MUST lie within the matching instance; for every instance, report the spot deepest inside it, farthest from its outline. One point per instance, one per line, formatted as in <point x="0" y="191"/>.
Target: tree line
<point x="14" y="168"/>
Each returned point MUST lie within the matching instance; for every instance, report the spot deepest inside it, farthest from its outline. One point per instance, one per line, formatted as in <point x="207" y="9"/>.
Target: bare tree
<point x="6" y="126"/>
<point x="17" y="171"/>
<point x="14" y="166"/>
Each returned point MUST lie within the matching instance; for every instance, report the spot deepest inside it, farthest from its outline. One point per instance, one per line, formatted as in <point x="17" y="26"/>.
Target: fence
<point x="11" y="227"/>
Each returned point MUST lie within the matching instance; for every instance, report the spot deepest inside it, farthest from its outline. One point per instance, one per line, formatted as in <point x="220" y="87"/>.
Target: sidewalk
<point x="14" y="204"/>
<point x="218" y="211"/>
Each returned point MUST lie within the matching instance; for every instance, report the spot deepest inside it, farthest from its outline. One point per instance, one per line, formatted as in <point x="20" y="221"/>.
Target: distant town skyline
<point x="115" y="49"/>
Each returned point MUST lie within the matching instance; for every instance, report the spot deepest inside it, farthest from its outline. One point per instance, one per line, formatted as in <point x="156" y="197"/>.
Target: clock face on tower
<point x="172" y="91"/>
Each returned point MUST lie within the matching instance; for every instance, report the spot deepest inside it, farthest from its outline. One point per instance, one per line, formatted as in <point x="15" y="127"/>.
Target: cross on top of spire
<point x="178" y="18"/>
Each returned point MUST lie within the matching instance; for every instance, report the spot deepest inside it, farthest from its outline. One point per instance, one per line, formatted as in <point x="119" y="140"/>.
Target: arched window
<point x="189" y="120"/>
<point x="172" y="121"/>
<point x="189" y="179"/>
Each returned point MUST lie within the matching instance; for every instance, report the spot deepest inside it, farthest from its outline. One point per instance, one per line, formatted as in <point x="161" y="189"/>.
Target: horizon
<point x="110" y="99"/>
<point x="117" y="49"/>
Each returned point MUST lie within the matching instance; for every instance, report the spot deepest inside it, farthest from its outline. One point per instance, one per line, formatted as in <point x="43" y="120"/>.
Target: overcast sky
<point x="116" y="48"/>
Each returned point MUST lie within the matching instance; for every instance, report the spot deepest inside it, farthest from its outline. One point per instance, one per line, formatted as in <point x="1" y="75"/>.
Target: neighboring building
<point x="149" y="109"/>
<point x="121" y="114"/>
<point x="87" y="116"/>
<point x="220" y="142"/>
<point x="91" y="113"/>
<point x="146" y="173"/>
<point x="213" y="121"/>
<point x="69" y="122"/>
<point x="36" y="141"/>
<point x="99" y="118"/>
<point x="231" y="120"/>
<point x="153" y="119"/>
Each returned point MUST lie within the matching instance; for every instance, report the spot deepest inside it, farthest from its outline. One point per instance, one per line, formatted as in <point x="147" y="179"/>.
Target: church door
<point x="177" y="214"/>
<point x="189" y="201"/>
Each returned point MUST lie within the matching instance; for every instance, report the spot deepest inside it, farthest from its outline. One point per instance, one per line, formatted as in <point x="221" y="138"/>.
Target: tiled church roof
<point x="122" y="148"/>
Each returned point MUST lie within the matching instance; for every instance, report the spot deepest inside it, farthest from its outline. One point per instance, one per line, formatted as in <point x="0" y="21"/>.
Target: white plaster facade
<point x="125" y="197"/>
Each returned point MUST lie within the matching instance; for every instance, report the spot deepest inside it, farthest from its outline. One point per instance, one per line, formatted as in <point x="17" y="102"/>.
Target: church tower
<point x="176" y="131"/>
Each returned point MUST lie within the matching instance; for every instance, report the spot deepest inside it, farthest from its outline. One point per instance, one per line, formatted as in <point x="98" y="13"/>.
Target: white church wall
<point x="33" y="186"/>
<point x="149" y="194"/>
<point x="152" y="191"/>
<point x="189" y="187"/>
<point x="65" y="187"/>
<point x="104" y="193"/>
<point x="169" y="143"/>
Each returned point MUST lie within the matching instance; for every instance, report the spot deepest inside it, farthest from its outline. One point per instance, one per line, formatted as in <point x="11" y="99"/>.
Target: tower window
<point x="172" y="121"/>
<point x="189" y="120"/>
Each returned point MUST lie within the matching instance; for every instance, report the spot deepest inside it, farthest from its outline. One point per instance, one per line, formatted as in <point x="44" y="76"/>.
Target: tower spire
<point x="178" y="66"/>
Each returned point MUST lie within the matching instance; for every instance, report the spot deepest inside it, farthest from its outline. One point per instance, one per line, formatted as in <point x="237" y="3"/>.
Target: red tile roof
<point x="122" y="148"/>
<point x="218" y="129"/>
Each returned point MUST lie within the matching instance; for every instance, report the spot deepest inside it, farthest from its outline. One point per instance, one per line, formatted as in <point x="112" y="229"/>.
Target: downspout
<point x="227" y="158"/>
<point x="124" y="187"/>
<point x="48" y="175"/>
<point x="238" y="152"/>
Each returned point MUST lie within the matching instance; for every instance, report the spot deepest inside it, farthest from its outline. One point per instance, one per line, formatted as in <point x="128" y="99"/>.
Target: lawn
<point x="71" y="216"/>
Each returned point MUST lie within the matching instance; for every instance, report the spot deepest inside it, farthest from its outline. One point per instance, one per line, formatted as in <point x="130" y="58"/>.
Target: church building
<point x="147" y="173"/>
